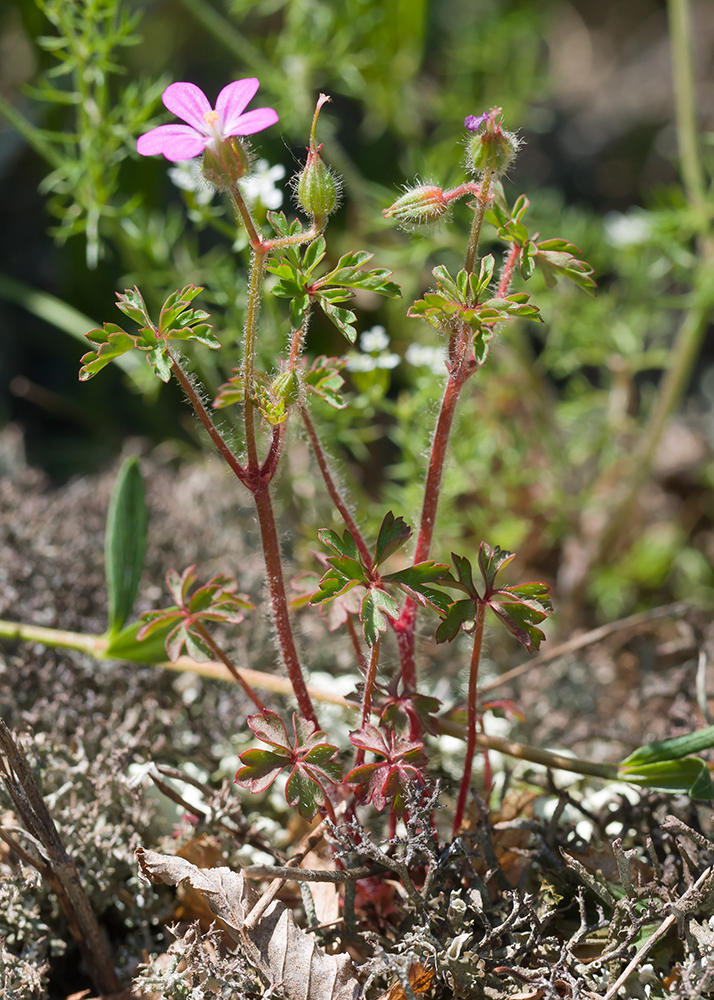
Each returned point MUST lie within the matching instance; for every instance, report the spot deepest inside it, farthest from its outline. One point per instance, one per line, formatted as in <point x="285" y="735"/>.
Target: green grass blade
<point x="125" y="543"/>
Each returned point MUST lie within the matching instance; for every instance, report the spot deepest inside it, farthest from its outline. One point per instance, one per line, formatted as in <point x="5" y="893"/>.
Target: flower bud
<point x="225" y="163"/>
<point x="317" y="188"/>
<point x="492" y="150"/>
<point x="420" y="206"/>
<point x="286" y="387"/>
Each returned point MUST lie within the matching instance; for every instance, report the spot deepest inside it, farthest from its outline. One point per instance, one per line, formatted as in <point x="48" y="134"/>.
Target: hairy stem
<point x="205" y="418"/>
<point x="218" y="652"/>
<point x="472" y="718"/>
<point x="279" y="601"/>
<point x="404" y="627"/>
<point x="369" y="682"/>
<point x="482" y="200"/>
<point x="332" y="489"/>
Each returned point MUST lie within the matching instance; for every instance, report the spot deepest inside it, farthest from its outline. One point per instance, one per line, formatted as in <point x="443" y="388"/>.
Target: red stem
<point x="205" y="418"/>
<point x="218" y="651"/>
<point x="276" y="586"/>
<point x="270" y="465"/>
<point x="472" y="718"/>
<point x="367" y="697"/>
<point x="460" y="370"/>
<point x="359" y="653"/>
<point x="507" y="272"/>
<point x="332" y="489"/>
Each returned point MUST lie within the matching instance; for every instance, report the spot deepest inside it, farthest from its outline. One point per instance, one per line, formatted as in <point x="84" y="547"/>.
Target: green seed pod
<point x="492" y="150"/>
<point x="317" y="188"/>
<point x="286" y="387"/>
<point x="419" y="206"/>
<point x="224" y="165"/>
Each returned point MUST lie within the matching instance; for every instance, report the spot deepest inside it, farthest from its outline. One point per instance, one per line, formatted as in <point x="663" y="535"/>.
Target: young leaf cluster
<point x="348" y="570"/>
<point x="177" y="321"/>
<point x="521" y="608"/>
<point x="295" y="271"/>
<point x="308" y="756"/>
<point x="467" y="300"/>
<point x="215" y="601"/>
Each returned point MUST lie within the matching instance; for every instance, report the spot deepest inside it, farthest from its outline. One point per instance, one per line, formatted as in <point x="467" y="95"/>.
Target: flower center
<point x="211" y="117"/>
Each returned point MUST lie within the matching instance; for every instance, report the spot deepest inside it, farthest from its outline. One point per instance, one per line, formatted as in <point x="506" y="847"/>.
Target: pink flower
<point x="206" y="126"/>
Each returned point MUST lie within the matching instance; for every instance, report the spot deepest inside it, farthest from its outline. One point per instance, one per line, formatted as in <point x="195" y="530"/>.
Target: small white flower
<point x="374" y="340"/>
<point x="424" y="356"/>
<point x="627" y="230"/>
<point x="390" y="360"/>
<point x="360" y="362"/>
<point x="259" y="185"/>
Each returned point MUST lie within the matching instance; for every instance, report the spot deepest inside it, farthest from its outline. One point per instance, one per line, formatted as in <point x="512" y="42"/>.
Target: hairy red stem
<point x="224" y="658"/>
<point x="472" y="718"/>
<point x="205" y="418"/>
<point x="276" y="586"/>
<point x="332" y="489"/>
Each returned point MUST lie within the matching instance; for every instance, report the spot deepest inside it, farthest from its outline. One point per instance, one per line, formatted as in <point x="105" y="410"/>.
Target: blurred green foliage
<point x="553" y="420"/>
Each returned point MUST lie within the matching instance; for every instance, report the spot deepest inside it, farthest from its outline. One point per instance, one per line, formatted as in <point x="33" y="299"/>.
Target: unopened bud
<point x="420" y="206"/>
<point x="491" y="150"/>
<point x="225" y="164"/>
<point x="317" y="188"/>
<point x="286" y="387"/>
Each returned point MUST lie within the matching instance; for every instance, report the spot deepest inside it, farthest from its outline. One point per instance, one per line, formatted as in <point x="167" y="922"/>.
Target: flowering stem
<point x="255" y="286"/>
<point x="217" y="651"/>
<point x="472" y="718"/>
<point x="332" y="489"/>
<point x="479" y="212"/>
<point x="205" y="418"/>
<point x="242" y="210"/>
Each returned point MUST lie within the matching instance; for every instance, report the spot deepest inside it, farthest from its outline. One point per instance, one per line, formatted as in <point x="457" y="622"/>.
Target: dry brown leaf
<point x="287" y="956"/>
<point x="325" y="895"/>
<point x="420" y="980"/>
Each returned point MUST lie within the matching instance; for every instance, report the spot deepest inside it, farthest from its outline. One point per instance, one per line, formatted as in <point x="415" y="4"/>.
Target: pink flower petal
<point x="176" y="142"/>
<point x="187" y="101"/>
<point x="254" y="121"/>
<point x="232" y="101"/>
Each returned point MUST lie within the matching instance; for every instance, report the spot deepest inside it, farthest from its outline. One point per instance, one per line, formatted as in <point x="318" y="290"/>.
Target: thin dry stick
<point x="293" y="874"/>
<point x="675" y="610"/>
<point x="306" y="845"/>
<point x="689" y="901"/>
<point x="55" y="866"/>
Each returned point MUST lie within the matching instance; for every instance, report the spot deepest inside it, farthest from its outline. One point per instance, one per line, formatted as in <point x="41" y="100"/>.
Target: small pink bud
<point x="492" y="149"/>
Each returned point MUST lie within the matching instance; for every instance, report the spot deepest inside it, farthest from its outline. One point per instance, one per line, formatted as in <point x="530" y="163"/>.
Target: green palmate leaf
<point x="314" y="254"/>
<point x="688" y="774"/>
<point x="231" y="392"/>
<point x="260" y="769"/>
<point x="413" y="581"/>
<point x="393" y="533"/>
<point x="324" y="380"/>
<point x="125" y="645"/>
<point x="461" y="614"/>
<point x="281" y="225"/>
<point x="125" y="543"/>
<point x="486" y="274"/>
<point x="132" y="304"/>
<point x="521" y="620"/>
<point x="176" y="306"/>
<point x="671" y="749"/>
<point x="558" y="258"/>
<point x="376" y="610"/>
<point x="111" y="342"/>
<point x="343" y="319"/>
<point x="491" y="562"/>
<point x="344" y="546"/>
